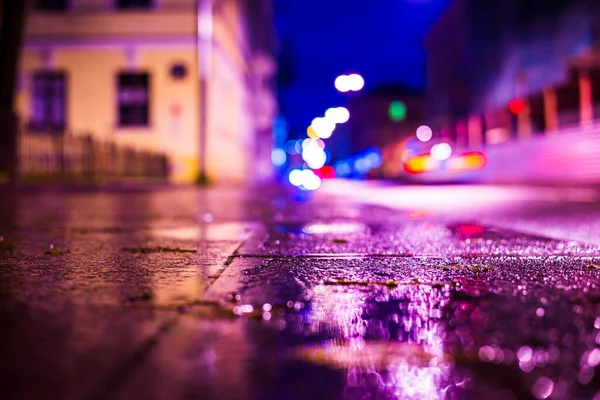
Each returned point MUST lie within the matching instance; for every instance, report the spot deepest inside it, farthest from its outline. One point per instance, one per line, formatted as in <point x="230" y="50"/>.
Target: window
<point x="51" y="5"/>
<point x="49" y="99"/>
<point x="133" y="99"/>
<point x="133" y="4"/>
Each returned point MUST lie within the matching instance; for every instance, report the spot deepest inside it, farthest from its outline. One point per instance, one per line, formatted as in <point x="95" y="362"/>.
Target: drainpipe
<point x="204" y="59"/>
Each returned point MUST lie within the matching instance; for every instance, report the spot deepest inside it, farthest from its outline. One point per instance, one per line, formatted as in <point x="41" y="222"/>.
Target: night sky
<point x="321" y="39"/>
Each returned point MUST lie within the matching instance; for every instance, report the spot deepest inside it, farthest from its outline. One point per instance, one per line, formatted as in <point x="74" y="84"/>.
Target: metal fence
<point x="64" y="157"/>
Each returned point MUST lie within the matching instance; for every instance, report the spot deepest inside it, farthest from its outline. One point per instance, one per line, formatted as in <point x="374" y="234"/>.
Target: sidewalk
<point x="234" y="294"/>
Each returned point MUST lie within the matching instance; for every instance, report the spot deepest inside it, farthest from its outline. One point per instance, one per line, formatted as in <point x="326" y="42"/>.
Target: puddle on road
<point x="335" y="228"/>
<point x="459" y="330"/>
<point x="201" y="231"/>
<point x="423" y="342"/>
<point x="213" y="231"/>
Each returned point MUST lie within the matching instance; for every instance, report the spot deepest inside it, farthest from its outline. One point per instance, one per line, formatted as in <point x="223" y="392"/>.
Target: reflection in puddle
<point x="390" y="343"/>
<point x="468" y="231"/>
<point x="416" y="214"/>
<point x="219" y="231"/>
<point x="424" y="342"/>
<point x="417" y="341"/>
<point x="335" y="228"/>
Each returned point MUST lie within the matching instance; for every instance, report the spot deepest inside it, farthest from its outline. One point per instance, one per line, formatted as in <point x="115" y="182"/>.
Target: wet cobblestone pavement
<point x="228" y="294"/>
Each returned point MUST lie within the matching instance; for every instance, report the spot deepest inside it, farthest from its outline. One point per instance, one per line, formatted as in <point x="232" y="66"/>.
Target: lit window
<point x="51" y="5"/>
<point x="49" y="98"/>
<point x="133" y="4"/>
<point x="133" y="99"/>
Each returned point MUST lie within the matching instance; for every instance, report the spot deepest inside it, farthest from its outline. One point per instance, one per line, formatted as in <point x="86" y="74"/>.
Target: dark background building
<point x="482" y="55"/>
<point x="383" y="115"/>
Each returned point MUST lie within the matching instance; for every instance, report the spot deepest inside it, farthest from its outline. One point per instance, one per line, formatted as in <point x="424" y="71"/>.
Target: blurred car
<point x="443" y="167"/>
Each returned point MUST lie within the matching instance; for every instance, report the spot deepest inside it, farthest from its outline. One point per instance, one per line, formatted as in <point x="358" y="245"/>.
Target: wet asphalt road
<point x="360" y="292"/>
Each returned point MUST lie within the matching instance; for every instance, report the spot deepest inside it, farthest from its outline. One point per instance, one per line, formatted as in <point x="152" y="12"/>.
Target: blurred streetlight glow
<point x="338" y="115"/>
<point x="323" y="127"/>
<point x="291" y="147"/>
<point x="343" y="115"/>
<point x="278" y="157"/>
<point x="424" y="133"/>
<point x="356" y="82"/>
<point x="342" y="83"/>
<point x="441" y="151"/>
<point x="311" y="133"/>
<point x="312" y="181"/>
<point x="330" y="114"/>
<point x="296" y="177"/>
<point x="314" y="155"/>
<point x="305" y="179"/>
<point x="347" y="83"/>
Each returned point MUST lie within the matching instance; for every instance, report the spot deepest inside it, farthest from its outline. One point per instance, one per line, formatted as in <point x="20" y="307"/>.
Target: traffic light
<point x="397" y="111"/>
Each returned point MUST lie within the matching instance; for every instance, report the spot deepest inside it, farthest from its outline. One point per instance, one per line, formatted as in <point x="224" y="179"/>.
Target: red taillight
<point x="420" y="164"/>
<point x="326" y="172"/>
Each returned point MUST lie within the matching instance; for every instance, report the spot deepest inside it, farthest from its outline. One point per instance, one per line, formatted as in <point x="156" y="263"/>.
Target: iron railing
<point x="49" y="156"/>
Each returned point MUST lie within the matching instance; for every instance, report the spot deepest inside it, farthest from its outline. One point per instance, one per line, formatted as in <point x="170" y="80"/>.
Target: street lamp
<point x="323" y="127"/>
<point x="356" y="82"/>
<point x="342" y="84"/>
<point x="339" y="115"/>
<point x="349" y="83"/>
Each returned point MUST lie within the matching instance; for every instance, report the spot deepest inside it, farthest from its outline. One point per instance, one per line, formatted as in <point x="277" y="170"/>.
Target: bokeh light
<point x="397" y="111"/>
<point x="295" y="177"/>
<point x="290" y="146"/>
<point x="375" y="159"/>
<point x="310" y="180"/>
<point x="342" y="168"/>
<point x="343" y="115"/>
<point x="305" y="179"/>
<point x="338" y="115"/>
<point x="347" y="83"/>
<point x="323" y="127"/>
<point x="424" y="133"/>
<point x="516" y="106"/>
<point x="311" y="133"/>
<point x="278" y="157"/>
<point x="342" y="83"/>
<point x="355" y="82"/>
<point x="327" y="172"/>
<point x="362" y="165"/>
<point x="314" y="155"/>
<point x="330" y="114"/>
<point x="441" y="151"/>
